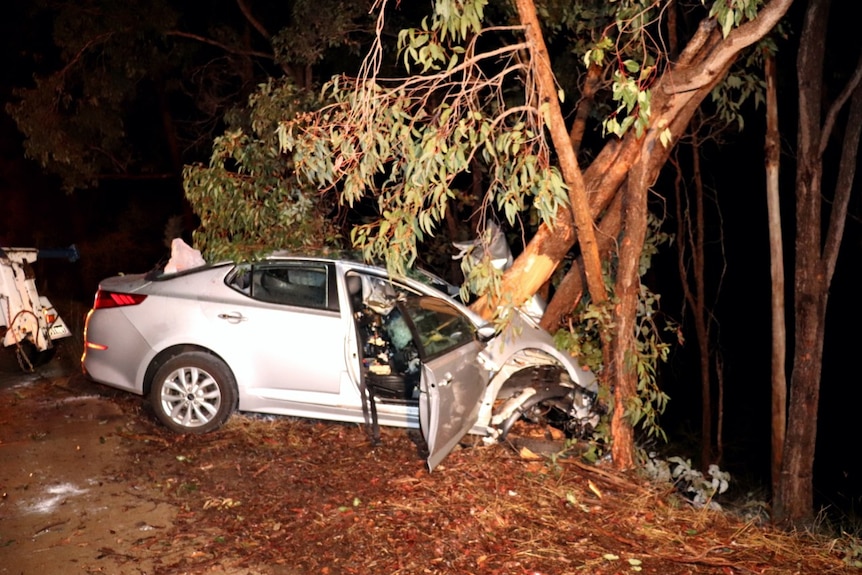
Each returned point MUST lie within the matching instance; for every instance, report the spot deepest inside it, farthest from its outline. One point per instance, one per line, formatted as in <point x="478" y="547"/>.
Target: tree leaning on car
<point x="345" y="142"/>
<point x="415" y="141"/>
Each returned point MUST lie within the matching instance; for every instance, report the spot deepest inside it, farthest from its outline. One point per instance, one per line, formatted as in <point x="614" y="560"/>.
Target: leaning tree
<point x="481" y="109"/>
<point x="405" y="142"/>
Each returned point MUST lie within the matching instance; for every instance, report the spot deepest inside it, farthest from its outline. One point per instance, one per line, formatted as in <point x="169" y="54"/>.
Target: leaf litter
<point x="283" y="496"/>
<point x="315" y="497"/>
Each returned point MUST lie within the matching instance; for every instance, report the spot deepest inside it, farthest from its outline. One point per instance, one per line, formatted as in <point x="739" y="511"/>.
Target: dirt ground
<point x="68" y="502"/>
<point x="91" y="484"/>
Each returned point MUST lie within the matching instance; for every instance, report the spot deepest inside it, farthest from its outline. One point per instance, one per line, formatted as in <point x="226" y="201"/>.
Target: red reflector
<point x="91" y="345"/>
<point x="109" y="299"/>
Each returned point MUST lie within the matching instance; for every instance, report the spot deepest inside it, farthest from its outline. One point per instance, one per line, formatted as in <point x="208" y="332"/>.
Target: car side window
<point x="301" y="285"/>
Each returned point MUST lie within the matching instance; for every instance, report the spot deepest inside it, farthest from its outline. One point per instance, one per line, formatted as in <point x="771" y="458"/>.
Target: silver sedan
<point x="327" y="339"/>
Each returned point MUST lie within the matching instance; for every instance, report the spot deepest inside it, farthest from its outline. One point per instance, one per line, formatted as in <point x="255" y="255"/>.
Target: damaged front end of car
<point x="532" y="380"/>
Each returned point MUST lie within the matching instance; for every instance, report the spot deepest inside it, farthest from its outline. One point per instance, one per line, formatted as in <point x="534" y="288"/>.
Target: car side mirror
<point x="486" y="332"/>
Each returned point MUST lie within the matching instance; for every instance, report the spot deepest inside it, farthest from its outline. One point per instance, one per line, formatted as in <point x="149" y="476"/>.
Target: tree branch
<point x="574" y="178"/>
<point x="225" y="47"/>
<point x="689" y="78"/>
<point x="101" y="38"/>
<point x="246" y="11"/>
<point x="844" y="183"/>
<point x="836" y="106"/>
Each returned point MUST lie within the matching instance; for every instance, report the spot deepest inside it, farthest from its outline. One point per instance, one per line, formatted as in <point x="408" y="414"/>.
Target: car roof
<point x="336" y="257"/>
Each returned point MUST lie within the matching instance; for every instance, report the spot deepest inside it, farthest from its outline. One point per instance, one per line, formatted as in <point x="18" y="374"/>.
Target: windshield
<point x="439" y="325"/>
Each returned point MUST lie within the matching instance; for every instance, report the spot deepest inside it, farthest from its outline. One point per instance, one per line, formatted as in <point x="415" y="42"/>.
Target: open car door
<point x="452" y="382"/>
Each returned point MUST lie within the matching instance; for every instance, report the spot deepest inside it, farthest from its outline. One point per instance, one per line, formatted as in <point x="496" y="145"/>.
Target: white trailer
<point x="28" y="321"/>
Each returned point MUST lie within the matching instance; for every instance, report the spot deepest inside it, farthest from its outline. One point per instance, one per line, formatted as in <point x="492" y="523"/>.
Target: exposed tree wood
<point x="603" y="178"/>
<point x="571" y="286"/>
<point x="675" y="98"/>
<point x="678" y="93"/>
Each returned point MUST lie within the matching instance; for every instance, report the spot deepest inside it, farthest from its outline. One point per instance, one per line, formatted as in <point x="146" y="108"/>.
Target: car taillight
<point x="109" y="299"/>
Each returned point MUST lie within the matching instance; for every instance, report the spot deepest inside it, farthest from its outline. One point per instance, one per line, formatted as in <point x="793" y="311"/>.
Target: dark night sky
<point x="33" y="211"/>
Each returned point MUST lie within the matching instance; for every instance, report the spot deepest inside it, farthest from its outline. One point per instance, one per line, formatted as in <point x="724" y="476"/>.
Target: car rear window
<point x="294" y="285"/>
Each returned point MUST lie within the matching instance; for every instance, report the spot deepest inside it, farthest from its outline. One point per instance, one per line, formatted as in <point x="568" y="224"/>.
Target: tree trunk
<point x="565" y="152"/>
<point x="675" y="98"/>
<point x="815" y="261"/>
<point x="571" y="287"/>
<point x="585" y="106"/>
<point x="701" y="318"/>
<point x="776" y="269"/>
<point x="691" y="256"/>
<point x="795" y="501"/>
<point x="622" y="370"/>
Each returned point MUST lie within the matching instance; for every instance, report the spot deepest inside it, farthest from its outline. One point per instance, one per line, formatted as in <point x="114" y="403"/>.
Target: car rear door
<point x="290" y="334"/>
<point x="453" y="382"/>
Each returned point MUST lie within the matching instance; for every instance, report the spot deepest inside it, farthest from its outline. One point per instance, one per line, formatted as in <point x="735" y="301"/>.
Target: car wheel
<point x="30" y="357"/>
<point x="193" y="392"/>
<point x="547" y="407"/>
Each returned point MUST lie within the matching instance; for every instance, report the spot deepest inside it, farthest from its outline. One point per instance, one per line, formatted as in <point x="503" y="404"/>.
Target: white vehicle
<point x="328" y="338"/>
<point x="28" y="321"/>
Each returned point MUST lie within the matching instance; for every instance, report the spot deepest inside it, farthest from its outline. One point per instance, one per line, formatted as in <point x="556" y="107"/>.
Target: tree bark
<point x="571" y="287"/>
<point x="675" y="98"/>
<point x="776" y="270"/>
<point x="814" y="265"/>
<point x="569" y="167"/>
<point x="795" y="501"/>
<point x="585" y="106"/>
<point x="622" y="371"/>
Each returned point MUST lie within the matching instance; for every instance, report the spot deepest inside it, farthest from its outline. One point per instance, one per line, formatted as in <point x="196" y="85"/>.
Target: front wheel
<point x="570" y="410"/>
<point x="193" y="392"/>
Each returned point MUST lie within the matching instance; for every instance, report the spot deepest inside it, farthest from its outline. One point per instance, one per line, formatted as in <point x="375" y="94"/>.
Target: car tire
<point x="30" y="357"/>
<point x="193" y="392"/>
<point x="544" y="400"/>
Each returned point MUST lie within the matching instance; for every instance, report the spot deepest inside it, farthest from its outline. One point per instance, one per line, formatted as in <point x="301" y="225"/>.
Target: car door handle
<point x="446" y="380"/>
<point x="234" y="317"/>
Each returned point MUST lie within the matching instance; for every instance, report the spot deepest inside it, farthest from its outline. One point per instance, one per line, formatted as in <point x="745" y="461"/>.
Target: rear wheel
<point x="30" y="357"/>
<point x="193" y="392"/>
